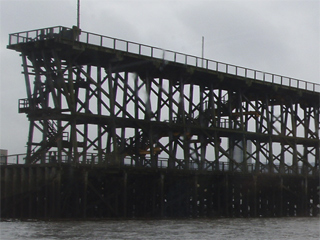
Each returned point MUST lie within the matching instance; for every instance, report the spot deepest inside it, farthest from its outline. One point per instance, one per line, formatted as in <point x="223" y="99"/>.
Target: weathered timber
<point x="125" y="130"/>
<point x="65" y="191"/>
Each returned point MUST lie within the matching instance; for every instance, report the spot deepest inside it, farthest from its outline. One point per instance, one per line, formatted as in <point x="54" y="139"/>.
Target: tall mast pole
<point x="202" y="53"/>
<point x="78" y="14"/>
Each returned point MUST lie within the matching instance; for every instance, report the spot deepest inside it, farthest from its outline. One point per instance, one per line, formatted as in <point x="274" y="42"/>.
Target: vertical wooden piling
<point x="84" y="193"/>
<point x="15" y="191"/>
<point x="8" y="204"/>
<point x="255" y="197"/>
<point x="162" y="198"/>
<point x="281" y="213"/>
<point x="31" y="193"/>
<point x="125" y="195"/>
<point x="195" y="197"/>
<point x="46" y="191"/>
<point x="227" y="192"/>
<point x="52" y="186"/>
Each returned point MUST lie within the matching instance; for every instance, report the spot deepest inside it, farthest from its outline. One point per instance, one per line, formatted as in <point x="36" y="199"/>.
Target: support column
<point x="84" y="193"/>
<point x="58" y="194"/>
<point x="52" y="184"/>
<point x="46" y="191"/>
<point x="8" y="193"/>
<point x="32" y="194"/>
<point x="281" y="197"/>
<point x="195" y="197"/>
<point x="125" y="195"/>
<point x="162" y="206"/>
<point x="23" y="191"/>
<point x="226" y="195"/>
<point x="15" y="193"/>
<point x="305" y="203"/>
<point x="255" y="197"/>
<point x="218" y="197"/>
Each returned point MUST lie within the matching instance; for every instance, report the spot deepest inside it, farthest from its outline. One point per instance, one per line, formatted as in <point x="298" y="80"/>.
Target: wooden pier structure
<point x="125" y="130"/>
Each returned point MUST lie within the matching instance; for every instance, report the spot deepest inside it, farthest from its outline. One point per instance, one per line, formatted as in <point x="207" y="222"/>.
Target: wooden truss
<point x="86" y="109"/>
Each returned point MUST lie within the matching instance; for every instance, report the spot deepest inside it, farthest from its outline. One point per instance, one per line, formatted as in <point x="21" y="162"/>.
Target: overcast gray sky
<point x="277" y="36"/>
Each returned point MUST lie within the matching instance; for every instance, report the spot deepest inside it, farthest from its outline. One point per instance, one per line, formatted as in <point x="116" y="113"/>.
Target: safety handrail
<point x="51" y="158"/>
<point x="166" y="55"/>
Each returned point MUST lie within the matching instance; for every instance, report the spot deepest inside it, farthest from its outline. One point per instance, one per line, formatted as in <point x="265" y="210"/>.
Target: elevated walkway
<point x="124" y="51"/>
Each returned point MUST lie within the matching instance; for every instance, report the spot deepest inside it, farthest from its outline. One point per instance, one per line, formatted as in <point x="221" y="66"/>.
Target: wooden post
<point x="226" y="195"/>
<point x="195" y="197"/>
<point x="14" y="192"/>
<point x="30" y="195"/>
<point x="8" y="192"/>
<point x="125" y="183"/>
<point x="23" y="190"/>
<point x="52" y="206"/>
<point x="84" y="194"/>
<point x="162" y="207"/>
<point x="58" y="193"/>
<point x="46" y="191"/>
<point x="304" y="210"/>
<point x="255" y="197"/>
<point x="218" y="196"/>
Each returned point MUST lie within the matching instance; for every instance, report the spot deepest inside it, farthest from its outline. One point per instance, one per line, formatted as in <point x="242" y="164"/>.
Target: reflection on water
<point x="263" y="228"/>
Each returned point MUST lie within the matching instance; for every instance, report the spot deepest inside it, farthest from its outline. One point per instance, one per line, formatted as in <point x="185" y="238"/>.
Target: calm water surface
<point x="265" y="228"/>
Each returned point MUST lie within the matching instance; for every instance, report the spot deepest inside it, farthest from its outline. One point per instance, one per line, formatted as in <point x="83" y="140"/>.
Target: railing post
<point x="93" y="159"/>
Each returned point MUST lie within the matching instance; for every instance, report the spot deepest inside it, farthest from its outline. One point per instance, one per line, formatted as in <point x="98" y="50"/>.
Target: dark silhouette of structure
<point x="121" y="129"/>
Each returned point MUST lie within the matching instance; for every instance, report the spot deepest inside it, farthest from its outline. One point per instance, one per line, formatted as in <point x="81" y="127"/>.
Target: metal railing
<point x="51" y="158"/>
<point x="159" y="53"/>
<point x="14" y="159"/>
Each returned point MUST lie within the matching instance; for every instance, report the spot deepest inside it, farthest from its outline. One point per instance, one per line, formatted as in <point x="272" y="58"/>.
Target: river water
<point x="224" y="228"/>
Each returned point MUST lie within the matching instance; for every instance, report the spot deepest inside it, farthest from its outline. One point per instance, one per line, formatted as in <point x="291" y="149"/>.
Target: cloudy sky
<point x="277" y="36"/>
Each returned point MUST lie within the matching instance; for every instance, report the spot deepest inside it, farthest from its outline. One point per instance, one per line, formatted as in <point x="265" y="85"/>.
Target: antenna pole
<point x="202" y="49"/>
<point x="78" y="14"/>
